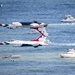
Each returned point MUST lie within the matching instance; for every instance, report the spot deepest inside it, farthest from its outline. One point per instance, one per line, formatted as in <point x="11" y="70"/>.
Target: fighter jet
<point x="40" y="27"/>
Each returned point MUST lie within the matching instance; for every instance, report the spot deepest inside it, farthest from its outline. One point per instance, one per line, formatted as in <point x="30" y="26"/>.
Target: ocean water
<point x="44" y="60"/>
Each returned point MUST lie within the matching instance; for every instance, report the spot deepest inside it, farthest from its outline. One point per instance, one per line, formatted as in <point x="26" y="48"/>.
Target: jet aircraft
<point x="40" y="27"/>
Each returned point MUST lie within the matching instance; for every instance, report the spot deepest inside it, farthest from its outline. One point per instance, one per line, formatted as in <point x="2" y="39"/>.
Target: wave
<point x="61" y="24"/>
<point x="63" y="44"/>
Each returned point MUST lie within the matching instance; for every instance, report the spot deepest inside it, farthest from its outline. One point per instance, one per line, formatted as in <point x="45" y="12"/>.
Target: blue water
<point x="43" y="60"/>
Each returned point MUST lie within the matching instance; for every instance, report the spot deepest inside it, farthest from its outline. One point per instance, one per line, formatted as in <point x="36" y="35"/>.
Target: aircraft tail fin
<point x="41" y="38"/>
<point x="43" y="33"/>
<point x="42" y="29"/>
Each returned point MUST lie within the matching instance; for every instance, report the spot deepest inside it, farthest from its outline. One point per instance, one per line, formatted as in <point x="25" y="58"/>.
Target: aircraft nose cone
<point x="0" y="24"/>
<point x="1" y="43"/>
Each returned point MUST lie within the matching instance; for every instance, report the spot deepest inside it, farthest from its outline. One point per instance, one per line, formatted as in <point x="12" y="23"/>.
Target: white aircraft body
<point x="35" y="43"/>
<point x="33" y="25"/>
<point x="40" y="27"/>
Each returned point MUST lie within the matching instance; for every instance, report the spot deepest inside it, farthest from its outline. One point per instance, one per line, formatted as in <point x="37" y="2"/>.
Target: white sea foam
<point x="61" y="24"/>
<point x="64" y="44"/>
